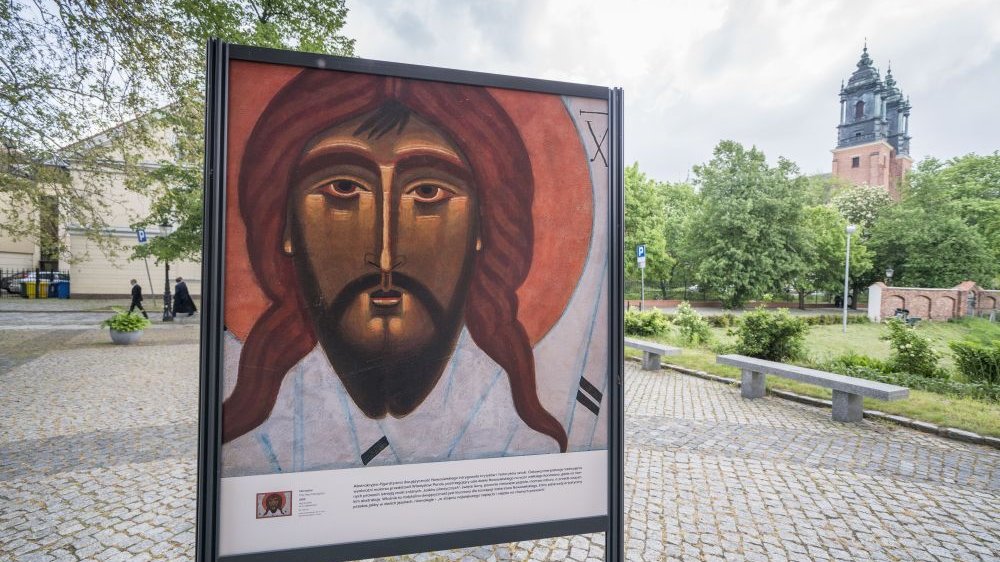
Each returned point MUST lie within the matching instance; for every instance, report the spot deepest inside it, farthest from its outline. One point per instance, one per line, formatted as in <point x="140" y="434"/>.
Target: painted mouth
<point x="386" y="299"/>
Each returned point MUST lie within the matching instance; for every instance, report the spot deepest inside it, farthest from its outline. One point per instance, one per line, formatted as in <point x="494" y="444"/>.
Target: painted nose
<point x="387" y="261"/>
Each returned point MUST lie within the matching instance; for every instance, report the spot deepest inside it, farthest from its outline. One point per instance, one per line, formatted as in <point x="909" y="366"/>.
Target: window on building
<point x="48" y="233"/>
<point x="856" y="162"/>
<point x="859" y="110"/>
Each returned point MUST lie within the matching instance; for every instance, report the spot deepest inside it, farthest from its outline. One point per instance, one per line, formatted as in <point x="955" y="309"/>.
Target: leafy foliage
<point x="862" y="205"/>
<point x="176" y="186"/>
<point x="930" y="248"/>
<point x="692" y="327"/>
<point x="645" y="223"/>
<point x="842" y="363"/>
<point x="725" y="320"/>
<point x="645" y="323"/>
<point x="772" y="335"/>
<point x="966" y="188"/>
<point x="978" y="362"/>
<point x="834" y="319"/>
<point x="978" y="391"/>
<point x="823" y="238"/>
<point x="911" y="352"/>
<point x="822" y="189"/>
<point x="747" y="238"/>
<point x="126" y="322"/>
<point x="88" y="88"/>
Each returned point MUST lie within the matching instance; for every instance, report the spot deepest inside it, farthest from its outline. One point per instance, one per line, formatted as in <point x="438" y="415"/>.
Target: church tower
<point x="873" y="141"/>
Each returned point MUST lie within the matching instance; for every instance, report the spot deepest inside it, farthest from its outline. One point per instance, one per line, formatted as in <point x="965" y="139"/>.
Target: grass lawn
<point x="824" y="342"/>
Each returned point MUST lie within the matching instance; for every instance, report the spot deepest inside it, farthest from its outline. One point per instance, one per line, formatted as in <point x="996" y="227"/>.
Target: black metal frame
<point x="213" y="282"/>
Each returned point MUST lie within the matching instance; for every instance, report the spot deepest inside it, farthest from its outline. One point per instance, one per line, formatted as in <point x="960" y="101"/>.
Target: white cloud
<point x="694" y="72"/>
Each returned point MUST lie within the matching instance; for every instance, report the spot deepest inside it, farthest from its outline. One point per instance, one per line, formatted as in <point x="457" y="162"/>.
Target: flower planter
<point x="125" y="338"/>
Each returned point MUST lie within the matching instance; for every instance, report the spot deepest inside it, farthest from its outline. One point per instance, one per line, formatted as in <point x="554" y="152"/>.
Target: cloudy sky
<point x="694" y="72"/>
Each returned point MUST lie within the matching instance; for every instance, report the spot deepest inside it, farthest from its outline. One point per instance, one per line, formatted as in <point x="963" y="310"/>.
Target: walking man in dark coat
<point x="182" y="298"/>
<point x="137" y="298"/>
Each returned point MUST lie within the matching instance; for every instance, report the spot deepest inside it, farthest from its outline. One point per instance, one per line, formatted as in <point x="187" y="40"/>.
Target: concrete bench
<point x="847" y="391"/>
<point x="651" y="352"/>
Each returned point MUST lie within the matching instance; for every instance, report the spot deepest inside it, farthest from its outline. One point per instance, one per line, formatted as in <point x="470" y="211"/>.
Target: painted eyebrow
<point x="425" y="150"/>
<point x="317" y="161"/>
<point x="433" y="159"/>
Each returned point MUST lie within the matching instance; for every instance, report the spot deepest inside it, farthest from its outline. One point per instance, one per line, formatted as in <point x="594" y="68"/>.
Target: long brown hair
<point x="317" y="100"/>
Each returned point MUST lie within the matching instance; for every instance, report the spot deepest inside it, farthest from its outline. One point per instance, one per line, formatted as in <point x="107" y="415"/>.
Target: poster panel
<point x="415" y="310"/>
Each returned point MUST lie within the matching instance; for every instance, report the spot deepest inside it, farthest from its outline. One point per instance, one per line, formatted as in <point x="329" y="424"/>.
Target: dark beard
<point x="381" y="383"/>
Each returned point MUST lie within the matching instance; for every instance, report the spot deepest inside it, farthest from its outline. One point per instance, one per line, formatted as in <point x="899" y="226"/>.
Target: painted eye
<point x="430" y="193"/>
<point x="343" y="189"/>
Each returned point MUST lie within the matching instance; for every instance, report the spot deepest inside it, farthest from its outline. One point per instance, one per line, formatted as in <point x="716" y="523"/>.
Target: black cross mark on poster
<point x="374" y="450"/>
<point x="591" y="402"/>
<point x="599" y="142"/>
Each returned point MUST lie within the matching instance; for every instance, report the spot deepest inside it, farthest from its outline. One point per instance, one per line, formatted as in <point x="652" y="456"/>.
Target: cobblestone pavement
<point x="97" y="462"/>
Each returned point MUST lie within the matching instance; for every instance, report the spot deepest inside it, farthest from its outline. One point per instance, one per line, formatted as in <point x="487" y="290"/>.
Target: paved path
<point x="97" y="462"/>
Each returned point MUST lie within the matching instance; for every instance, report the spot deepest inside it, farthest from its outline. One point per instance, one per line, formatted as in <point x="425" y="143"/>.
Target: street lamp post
<point x="165" y="229"/>
<point x="847" y="270"/>
<point x="888" y="276"/>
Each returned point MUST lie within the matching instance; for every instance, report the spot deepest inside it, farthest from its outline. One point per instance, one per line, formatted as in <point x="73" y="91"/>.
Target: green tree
<point x="930" y="248"/>
<point x="967" y="187"/>
<point x="680" y="201"/>
<point x="861" y="205"/>
<point x="72" y="70"/>
<point x="824" y="248"/>
<point x="747" y="241"/>
<point x="821" y="189"/>
<point x="645" y="223"/>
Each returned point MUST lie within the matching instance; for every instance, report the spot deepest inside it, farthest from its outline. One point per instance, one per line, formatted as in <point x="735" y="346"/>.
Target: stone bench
<point x="651" y="352"/>
<point x="847" y="391"/>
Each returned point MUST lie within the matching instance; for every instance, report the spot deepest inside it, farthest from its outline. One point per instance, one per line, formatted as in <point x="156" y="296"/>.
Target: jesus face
<point x="273" y="504"/>
<point x="382" y="227"/>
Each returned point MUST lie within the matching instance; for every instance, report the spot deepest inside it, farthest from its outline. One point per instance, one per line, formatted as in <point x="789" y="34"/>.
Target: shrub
<point x="978" y="391"/>
<point x="645" y="323"/>
<point x="693" y="328"/>
<point x="126" y="322"/>
<point x="771" y="335"/>
<point x="726" y="320"/>
<point x="911" y="352"/>
<point x="979" y="363"/>
<point x="850" y="360"/>
<point x="834" y="319"/>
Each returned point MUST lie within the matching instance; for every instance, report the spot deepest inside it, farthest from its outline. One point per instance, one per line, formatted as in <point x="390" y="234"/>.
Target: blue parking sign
<point x="141" y="235"/>
<point x="640" y="251"/>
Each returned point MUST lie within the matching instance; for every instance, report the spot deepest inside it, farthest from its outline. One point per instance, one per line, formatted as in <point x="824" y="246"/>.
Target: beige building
<point x="94" y="273"/>
<point x="17" y="254"/>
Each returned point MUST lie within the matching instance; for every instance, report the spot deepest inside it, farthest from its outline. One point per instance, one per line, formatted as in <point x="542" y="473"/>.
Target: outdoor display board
<point x="412" y="309"/>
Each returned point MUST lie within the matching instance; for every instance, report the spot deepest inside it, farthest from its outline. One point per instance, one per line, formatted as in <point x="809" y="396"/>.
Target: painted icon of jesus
<point x="389" y="224"/>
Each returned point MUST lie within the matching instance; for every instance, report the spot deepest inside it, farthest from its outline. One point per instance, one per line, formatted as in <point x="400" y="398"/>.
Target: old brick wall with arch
<point x="932" y="304"/>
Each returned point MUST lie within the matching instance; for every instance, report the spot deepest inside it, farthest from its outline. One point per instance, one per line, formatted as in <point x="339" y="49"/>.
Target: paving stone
<point x="97" y="467"/>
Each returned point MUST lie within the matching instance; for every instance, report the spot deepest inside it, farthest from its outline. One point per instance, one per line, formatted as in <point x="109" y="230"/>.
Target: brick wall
<point x="930" y="304"/>
<point x="877" y="165"/>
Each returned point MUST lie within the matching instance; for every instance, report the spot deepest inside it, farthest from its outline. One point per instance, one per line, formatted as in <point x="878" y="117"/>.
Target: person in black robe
<point x="137" y="298"/>
<point x="182" y="299"/>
